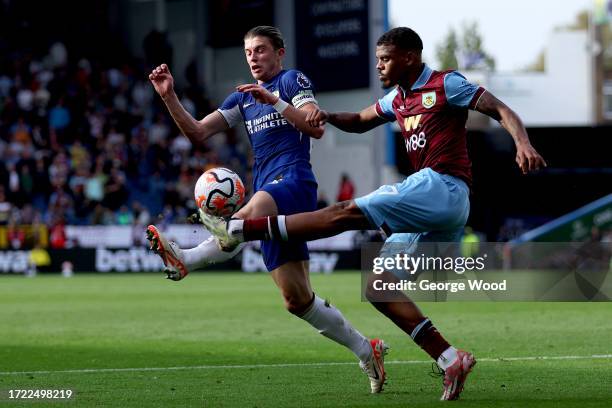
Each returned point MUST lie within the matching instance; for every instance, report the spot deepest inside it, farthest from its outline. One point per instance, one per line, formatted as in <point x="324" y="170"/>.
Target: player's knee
<point x="297" y="304"/>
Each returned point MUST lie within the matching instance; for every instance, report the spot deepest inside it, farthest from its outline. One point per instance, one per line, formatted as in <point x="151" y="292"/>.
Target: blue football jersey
<point x="280" y="150"/>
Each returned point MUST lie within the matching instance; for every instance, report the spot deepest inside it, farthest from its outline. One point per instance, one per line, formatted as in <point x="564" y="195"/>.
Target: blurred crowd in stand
<point x="90" y="143"/>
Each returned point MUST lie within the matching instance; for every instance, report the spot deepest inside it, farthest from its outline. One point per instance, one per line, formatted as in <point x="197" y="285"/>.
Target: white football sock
<point x="206" y="253"/>
<point x="235" y="228"/>
<point x="329" y="322"/>
<point x="447" y="358"/>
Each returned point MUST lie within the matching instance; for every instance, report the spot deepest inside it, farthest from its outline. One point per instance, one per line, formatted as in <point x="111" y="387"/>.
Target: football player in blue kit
<point x="273" y="111"/>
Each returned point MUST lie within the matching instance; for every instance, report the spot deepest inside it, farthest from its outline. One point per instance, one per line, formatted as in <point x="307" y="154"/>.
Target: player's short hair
<point x="402" y="37"/>
<point x="273" y="33"/>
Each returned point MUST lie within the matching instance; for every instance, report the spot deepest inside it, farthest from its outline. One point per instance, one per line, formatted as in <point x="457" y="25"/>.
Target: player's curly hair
<point x="402" y="37"/>
<point x="273" y="33"/>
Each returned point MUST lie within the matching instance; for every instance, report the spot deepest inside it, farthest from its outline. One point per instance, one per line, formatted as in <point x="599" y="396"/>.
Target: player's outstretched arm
<point x="527" y="158"/>
<point x="196" y="131"/>
<point x="352" y="122"/>
<point x="297" y="117"/>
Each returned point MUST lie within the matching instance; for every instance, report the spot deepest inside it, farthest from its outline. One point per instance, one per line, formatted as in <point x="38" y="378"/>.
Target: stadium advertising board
<point x="140" y="259"/>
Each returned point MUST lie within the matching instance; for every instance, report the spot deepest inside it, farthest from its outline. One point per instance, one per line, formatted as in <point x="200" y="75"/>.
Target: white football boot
<point x="170" y="253"/>
<point x="374" y="367"/>
<point x="217" y="226"/>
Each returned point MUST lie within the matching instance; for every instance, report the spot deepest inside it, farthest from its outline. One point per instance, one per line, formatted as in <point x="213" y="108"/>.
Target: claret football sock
<point x="429" y="339"/>
<point x="331" y="323"/>
<point x="206" y="253"/>
<point x="266" y="228"/>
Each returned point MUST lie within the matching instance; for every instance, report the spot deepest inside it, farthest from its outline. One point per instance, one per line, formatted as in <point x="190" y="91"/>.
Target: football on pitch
<point x="219" y="192"/>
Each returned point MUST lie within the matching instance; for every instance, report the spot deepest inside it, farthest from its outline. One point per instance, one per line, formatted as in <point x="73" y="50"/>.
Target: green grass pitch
<point x="225" y="340"/>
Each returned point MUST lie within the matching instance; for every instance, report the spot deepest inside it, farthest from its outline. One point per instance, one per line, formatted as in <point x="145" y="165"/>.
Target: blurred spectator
<point x="59" y="116"/>
<point x="40" y="179"/>
<point x="57" y="235"/>
<point x="102" y="216"/>
<point x="94" y="188"/>
<point x="124" y="216"/>
<point x="14" y="184"/>
<point x="115" y="191"/>
<point x="40" y="258"/>
<point x="141" y="214"/>
<point x="82" y="205"/>
<point x="346" y="191"/>
<point x="21" y="133"/>
<point x="470" y="243"/>
<point x="26" y="181"/>
<point x="58" y="55"/>
<point x="16" y="236"/>
<point x="61" y="205"/>
<point x="159" y="131"/>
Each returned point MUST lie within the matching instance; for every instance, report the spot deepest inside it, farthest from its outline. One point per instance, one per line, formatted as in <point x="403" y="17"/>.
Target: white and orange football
<point x="219" y="192"/>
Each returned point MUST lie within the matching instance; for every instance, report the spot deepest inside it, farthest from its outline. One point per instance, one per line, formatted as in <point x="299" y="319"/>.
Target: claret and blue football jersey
<point x="432" y="115"/>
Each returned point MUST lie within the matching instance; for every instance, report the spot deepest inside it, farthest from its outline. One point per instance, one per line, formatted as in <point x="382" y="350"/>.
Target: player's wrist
<point x="167" y="96"/>
<point x="280" y="106"/>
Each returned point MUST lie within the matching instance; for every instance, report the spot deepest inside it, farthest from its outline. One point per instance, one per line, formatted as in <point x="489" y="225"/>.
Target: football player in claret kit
<point x="432" y="204"/>
<point x="274" y="112"/>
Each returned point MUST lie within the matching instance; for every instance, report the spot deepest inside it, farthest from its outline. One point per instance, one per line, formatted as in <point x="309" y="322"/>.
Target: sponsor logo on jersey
<point x="428" y="99"/>
<point x="246" y="105"/>
<point x="271" y="120"/>
<point x="303" y="81"/>
<point x="276" y="93"/>
<point x="412" y="122"/>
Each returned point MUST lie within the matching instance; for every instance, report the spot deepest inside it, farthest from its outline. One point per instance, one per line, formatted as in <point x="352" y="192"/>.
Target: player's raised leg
<point x="307" y="226"/>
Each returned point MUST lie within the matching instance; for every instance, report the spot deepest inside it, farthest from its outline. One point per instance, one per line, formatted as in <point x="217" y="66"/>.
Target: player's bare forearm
<point x="496" y="109"/>
<point x="185" y="122"/>
<point x="196" y="131"/>
<point x="514" y="125"/>
<point x="354" y="122"/>
<point x="527" y="158"/>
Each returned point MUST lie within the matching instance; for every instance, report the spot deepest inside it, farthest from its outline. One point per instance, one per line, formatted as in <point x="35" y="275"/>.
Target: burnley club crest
<point x="429" y="99"/>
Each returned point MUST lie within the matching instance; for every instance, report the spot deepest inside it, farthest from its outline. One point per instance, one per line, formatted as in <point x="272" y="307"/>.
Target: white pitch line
<point x="288" y="365"/>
